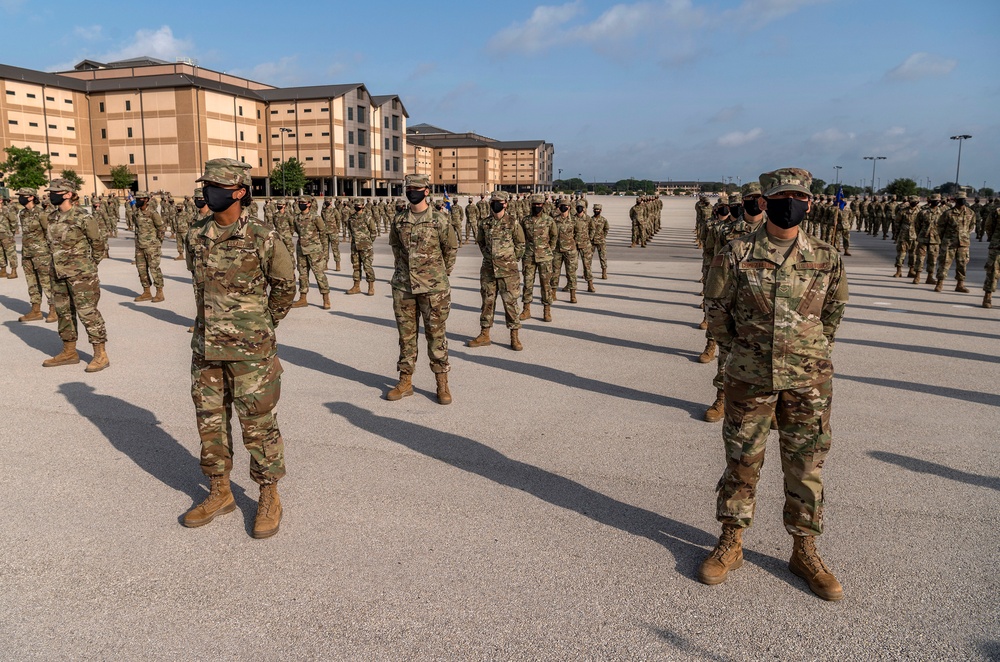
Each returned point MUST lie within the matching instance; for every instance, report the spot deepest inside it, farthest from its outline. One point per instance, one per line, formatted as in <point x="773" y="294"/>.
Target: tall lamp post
<point x="837" y="169"/>
<point x="874" y="160"/>
<point x="486" y="174"/>
<point x="958" y="167"/>
<point x="283" y="131"/>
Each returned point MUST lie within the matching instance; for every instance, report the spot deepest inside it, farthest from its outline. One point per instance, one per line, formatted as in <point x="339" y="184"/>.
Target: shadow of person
<point x="136" y="433"/>
<point x="306" y="358"/>
<point x="17" y="305"/>
<point x="162" y="314"/>
<point x="686" y="543"/>
<point x="933" y="468"/>
<point x="36" y="335"/>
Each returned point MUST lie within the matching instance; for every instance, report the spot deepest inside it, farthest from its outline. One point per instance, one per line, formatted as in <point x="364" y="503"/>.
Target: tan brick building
<point x="164" y="120"/>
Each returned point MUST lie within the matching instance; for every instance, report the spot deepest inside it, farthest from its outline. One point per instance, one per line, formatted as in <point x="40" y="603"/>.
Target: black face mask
<point x="563" y="208"/>
<point x="934" y="203"/>
<point x="416" y="196"/>
<point x="734" y="210"/>
<point x="496" y="206"/>
<point x="536" y="210"/>
<point x="722" y="212"/>
<point x="357" y="207"/>
<point x="579" y="210"/>
<point x="219" y="199"/>
<point x="960" y="202"/>
<point x="786" y="213"/>
<point x="199" y="202"/>
<point x="23" y="200"/>
<point x="56" y="197"/>
<point x="751" y="206"/>
<point x="303" y="206"/>
<point x="141" y="201"/>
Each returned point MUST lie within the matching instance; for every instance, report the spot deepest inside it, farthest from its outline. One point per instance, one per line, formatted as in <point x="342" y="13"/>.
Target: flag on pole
<point x="841" y="203"/>
<point x="447" y="201"/>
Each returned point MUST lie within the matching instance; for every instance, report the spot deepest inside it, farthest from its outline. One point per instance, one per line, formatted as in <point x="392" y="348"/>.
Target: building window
<point x="274" y="112"/>
<point x="387" y="164"/>
<point x="54" y="153"/>
<point x="129" y="132"/>
<point x="453" y="176"/>
<point x="71" y="128"/>
<point x="395" y="119"/>
<point x="395" y="164"/>
<point x="362" y="160"/>
<point x="10" y="93"/>
<point x="128" y="105"/>
<point x="100" y="106"/>
<point x="387" y="144"/>
<point x="350" y="137"/>
<point x="240" y="110"/>
<point x="260" y="163"/>
<point x="30" y="95"/>
<point x="362" y="138"/>
<point x="307" y="110"/>
<point x="155" y="178"/>
<point x="50" y="98"/>
<point x="386" y="121"/>
<point x="72" y="155"/>
<point x="275" y="159"/>
<point x="131" y="159"/>
<point x="325" y="133"/>
<point x="291" y="110"/>
<point x="34" y="124"/>
<point x="350" y="161"/>
<point x="260" y="138"/>
<point x="309" y="158"/>
<point x="361" y="95"/>
<point x="105" y="159"/>
<point x="104" y="134"/>
<point x="326" y="158"/>
<point x="395" y="143"/>
<point x="241" y="137"/>
<point x="324" y="110"/>
<point x="350" y="112"/>
<point x="69" y="101"/>
<point x="52" y="126"/>
<point x="291" y="135"/>
<point x="258" y="113"/>
<point x="309" y="135"/>
<point x="243" y="158"/>
<point x="274" y="135"/>
<point x="361" y="114"/>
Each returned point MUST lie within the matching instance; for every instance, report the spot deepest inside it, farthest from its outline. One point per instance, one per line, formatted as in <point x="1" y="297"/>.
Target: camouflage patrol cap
<point x="63" y="185"/>
<point x="357" y="201"/>
<point x="751" y="188"/>
<point x="141" y="194"/>
<point x="724" y="199"/>
<point x="227" y="172"/>
<point x="786" y="179"/>
<point x="598" y="207"/>
<point x="199" y="193"/>
<point x="735" y="197"/>
<point x="537" y="199"/>
<point x="935" y="196"/>
<point x="24" y="190"/>
<point x="959" y="196"/>
<point x="306" y="199"/>
<point x="417" y="181"/>
<point x="500" y="195"/>
<point x="912" y="198"/>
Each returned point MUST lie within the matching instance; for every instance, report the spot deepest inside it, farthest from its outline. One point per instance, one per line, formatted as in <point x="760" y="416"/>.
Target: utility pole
<point x="874" y="160"/>
<point x="958" y="167"/>
<point x="283" y="131"/>
<point x="837" y="170"/>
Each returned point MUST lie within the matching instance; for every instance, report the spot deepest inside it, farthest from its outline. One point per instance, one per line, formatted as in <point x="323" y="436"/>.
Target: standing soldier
<point x="928" y="238"/>
<point x="991" y="229"/>
<point x="599" y="238"/>
<point x="269" y="211"/>
<point x="363" y="231"/>
<point x="182" y="223"/>
<point x="906" y="236"/>
<point x="540" y="237"/>
<point x="283" y="225"/>
<point x="8" y="247"/>
<point x="244" y="284"/>
<point x="149" y="232"/>
<point x="331" y="218"/>
<point x="457" y="216"/>
<point x="471" y="220"/>
<point x="501" y="241"/>
<point x="775" y="298"/>
<point x="636" y="214"/>
<point x="702" y="213"/>
<point x="566" y="251"/>
<point x="584" y="241"/>
<point x="77" y="246"/>
<point x="312" y="252"/>
<point x="956" y="226"/>
<point x="424" y="246"/>
<point x="36" y="257"/>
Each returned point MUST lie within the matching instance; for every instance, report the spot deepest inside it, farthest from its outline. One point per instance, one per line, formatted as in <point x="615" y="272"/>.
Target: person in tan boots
<point x="36" y="258"/>
<point x="501" y="241"/>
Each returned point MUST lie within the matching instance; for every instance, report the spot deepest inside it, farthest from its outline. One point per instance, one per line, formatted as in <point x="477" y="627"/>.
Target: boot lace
<point x="726" y="542"/>
<point x="810" y="556"/>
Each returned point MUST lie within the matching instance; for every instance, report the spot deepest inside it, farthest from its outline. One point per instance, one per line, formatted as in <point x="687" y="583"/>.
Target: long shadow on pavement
<point x="926" y="313"/>
<point x="943" y="391"/>
<point x="136" y="432"/>
<point x="917" y="327"/>
<point x="162" y="314"/>
<point x="17" y="305"/>
<point x="933" y="468"/>
<point x="686" y="543"/>
<point x="920" y="349"/>
<point x="306" y="358"/>
<point x="38" y="336"/>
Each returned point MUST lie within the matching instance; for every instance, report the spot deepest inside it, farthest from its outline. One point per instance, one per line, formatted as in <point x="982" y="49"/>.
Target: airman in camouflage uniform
<point x="702" y="214"/>
<point x="955" y="226"/>
<point x="599" y="238"/>
<point x="906" y="235"/>
<point x="283" y="225"/>
<point x="775" y="299"/>
<point x="8" y="248"/>
<point x="566" y="252"/>
<point x="585" y="243"/>
<point x="928" y="238"/>
<point x="424" y="246"/>
<point x="457" y="216"/>
<point x="244" y="285"/>
<point x="471" y="220"/>
<point x="311" y="253"/>
<point x="363" y="231"/>
<point x="36" y="258"/>
<point x="501" y="241"/>
<point x="992" y="230"/>
<point x="77" y="245"/>
<point x="182" y="224"/>
<point x="331" y="218"/>
<point x="540" y="236"/>
<point x="149" y="232"/>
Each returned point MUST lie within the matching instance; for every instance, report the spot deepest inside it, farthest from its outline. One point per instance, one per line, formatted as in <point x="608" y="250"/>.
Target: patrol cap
<point x="357" y="201"/>
<point x="935" y="196"/>
<point x="960" y="195"/>
<point x="598" y="207"/>
<point x="417" y="181"/>
<point x="500" y="195"/>
<point x="142" y="194"/>
<point x="63" y="185"/>
<point x="537" y="199"/>
<point x="786" y="179"/>
<point x="735" y="197"/>
<point x="227" y="172"/>
<point x="198" y="193"/>
<point x="751" y="188"/>
<point x="724" y="199"/>
<point x="306" y="199"/>
<point x="27" y="191"/>
<point x="912" y="198"/>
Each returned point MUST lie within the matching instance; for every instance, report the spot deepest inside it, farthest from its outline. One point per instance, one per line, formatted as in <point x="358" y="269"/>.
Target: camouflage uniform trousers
<point x="905" y="251"/>
<point x="601" y="251"/>
<point x="362" y="257"/>
<point x="434" y="309"/>
<point x="586" y="257"/>
<point x="181" y="238"/>
<point x="335" y="248"/>
<point x="38" y="273"/>
<point x="254" y="387"/>
<point x="315" y="262"/>
<point x="471" y="228"/>
<point x="844" y="240"/>
<point x="571" y="260"/>
<point x="928" y="252"/>
<point x="509" y="288"/>
<point x="8" y="251"/>
<point x="960" y="254"/>
<point x="147" y="262"/>
<point x="77" y="297"/>
<point x="638" y="233"/>
<point x="544" y="270"/>
<point x="803" y="416"/>
<point x="992" y="271"/>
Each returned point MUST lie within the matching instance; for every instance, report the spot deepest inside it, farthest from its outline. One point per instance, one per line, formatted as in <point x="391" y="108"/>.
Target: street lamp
<point x="837" y="169"/>
<point x="874" y="160"/>
<point x="486" y="174"/>
<point x="959" y="166"/>
<point x="283" y="131"/>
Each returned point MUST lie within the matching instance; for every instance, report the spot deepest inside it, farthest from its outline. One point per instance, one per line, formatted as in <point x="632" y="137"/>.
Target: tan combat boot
<point x="159" y="295"/>
<point x="709" y="352"/>
<point x="326" y="301"/>
<point x="899" y="272"/>
<point x="336" y="266"/>
<point x="727" y="555"/>
<point x="718" y="408"/>
<point x="356" y="289"/>
<point x="443" y="393"/>
<point x="482" y="340"/>
<point x="32" y="315"/>
<point x="145" y="296"/>
<point x="218" y="502"/>
<point x="988" y="300"/>
<point x="268" y="518"/>
<point x="13" y="273"/>
<point x="911" y="273"/>
<point x="960" y="287"/>
<point x="704" y="323"/>
<point x="572" y="296"/>
<point x="940" y="286"/>
<point x="515" y="342"/>
<point x="402" y="389"/>
<point x="100" y="360"/>
<point x="590" y="286"/>
<point x="52" y="315"/>
<point x="371" y="288"/>
<point x="604" y="274"/>
<point x="807" y="564"/>
<point x="547" y="313"/>
<point x="930" y="279"/>
<point x="526" y="313"/>
<point x="916" y="279"/>
<point x="179" y="257"/>
<point x="67" y="356"/>
<point x="3" y="272"/>
<point x="301" y="301"/>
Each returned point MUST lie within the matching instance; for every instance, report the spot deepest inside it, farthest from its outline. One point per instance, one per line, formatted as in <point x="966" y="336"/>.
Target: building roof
<point x="42" y="78"/>
<point x="308" y="92"/>
<point x="382" y="99"/>
<point x="519" y="144"/>
<point x="427" y="129"/>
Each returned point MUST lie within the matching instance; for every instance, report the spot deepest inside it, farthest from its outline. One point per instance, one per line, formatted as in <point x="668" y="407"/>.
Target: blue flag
<point x="841" y="203"/>
<point x="447" y="201"/>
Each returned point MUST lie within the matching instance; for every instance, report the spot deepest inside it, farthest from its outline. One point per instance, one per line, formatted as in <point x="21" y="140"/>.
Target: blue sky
<point x="680" y="89"/>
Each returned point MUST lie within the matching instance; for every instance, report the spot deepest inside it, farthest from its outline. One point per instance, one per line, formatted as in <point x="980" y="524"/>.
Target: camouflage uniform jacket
<point x="566" y="227"/>
<point x="457" y="215"/>
<point x="76" y="242"/>
<point x="312" y="233"/>
<point x="244" y="285"/>
<point x="956" y="225"/>
<point x="331" y="217"/>
<point x="927" y="225"/>
<point x="484" y="209"/>
<point x="424" y="247"/>
<point x="9" y="220"/>
<point x="363" y="230"/>
<point x="599" y="230"/>
<point x="777" y="316"/>
<point x="34" y="225"/>
<point x="149" y="228"/>
<point x="581" y="231"/>
<point x="907" y="223"/>
<point x="501" y="241"/>
<point x="540" y="237"/>
<point x="472" y="212"/>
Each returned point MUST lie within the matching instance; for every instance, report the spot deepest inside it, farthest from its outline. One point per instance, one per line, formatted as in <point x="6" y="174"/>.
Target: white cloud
<point x="758" y="13"/>
<point x="285" y="71"/>
<point x="832" y="136"/>
<point x="626" y="20"/>
<point x="161" y="44"/>
<point x="895" y="131"/>
<point x="535" y="34"/>
<point x="740" y="138"/>
<point x="922" y="65"/>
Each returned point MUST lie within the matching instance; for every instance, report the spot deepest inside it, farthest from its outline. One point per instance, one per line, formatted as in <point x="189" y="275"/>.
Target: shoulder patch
<point x="718" y="260"/>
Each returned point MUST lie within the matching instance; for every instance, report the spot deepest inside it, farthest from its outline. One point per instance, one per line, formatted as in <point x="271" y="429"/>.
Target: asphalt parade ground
<point x="557" y="510"/>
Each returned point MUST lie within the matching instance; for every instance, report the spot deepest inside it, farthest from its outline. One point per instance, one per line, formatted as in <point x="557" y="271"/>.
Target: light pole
<point x="958" y="167"/>
<point x="837" y="170"/>
<point x="486" y="174"/>
<point x="874" y="160"/>
<point x="283" y="131"/>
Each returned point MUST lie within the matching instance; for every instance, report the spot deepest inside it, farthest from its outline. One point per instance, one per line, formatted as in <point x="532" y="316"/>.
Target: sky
<point x="653" y="89"/>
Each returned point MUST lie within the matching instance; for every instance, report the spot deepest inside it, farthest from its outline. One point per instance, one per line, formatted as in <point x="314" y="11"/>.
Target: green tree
<point x="986" y="192"/>
<point x="902" y="187"/>
<point x="25" y="167"/>
<point x="289" y="176"/>
<point x="73" y="177"/>
<point x="947" y="189"/>
<point x="818" y="186"/>
<point x="121" y="177"/>
<point x="603" y="189"/>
